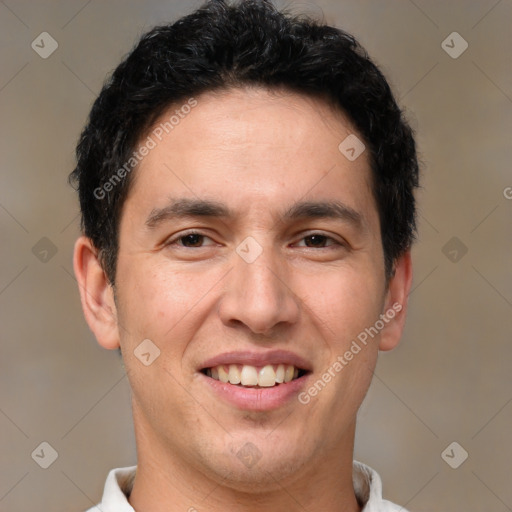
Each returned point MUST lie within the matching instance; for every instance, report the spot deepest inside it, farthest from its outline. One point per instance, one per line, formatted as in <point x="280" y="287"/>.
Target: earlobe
<point x="96" y="294"/>
<point x="395" y="307"/>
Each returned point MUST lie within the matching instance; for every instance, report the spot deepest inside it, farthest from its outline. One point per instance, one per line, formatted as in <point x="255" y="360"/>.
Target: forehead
<point x="251" y="147"/>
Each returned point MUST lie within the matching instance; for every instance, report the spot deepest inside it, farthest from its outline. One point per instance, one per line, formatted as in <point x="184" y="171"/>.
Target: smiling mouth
<point x="248" y="376"/>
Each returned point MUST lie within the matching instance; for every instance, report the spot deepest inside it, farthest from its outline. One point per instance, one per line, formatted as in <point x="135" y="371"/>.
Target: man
<point x="246" y="183"/>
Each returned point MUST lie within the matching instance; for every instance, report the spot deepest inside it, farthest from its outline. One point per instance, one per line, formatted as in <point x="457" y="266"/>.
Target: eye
<point x="318" y="240"/>
<point x="191" y="239"/>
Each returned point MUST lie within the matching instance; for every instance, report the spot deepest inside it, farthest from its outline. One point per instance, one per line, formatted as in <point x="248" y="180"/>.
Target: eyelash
<point x="327" y="238"/>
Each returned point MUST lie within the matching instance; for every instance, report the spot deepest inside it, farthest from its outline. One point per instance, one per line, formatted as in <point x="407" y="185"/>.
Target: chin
<point x="257" y="465"/>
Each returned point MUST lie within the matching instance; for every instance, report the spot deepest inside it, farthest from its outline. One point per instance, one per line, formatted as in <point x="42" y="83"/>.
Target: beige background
<point x="449" y="380"/>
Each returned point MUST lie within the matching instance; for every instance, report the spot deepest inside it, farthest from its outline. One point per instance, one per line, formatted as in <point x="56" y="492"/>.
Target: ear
<point x="395" y="305"/>
<point x="96" y="294"/>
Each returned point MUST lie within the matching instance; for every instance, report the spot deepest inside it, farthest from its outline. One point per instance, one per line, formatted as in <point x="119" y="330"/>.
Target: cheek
<point x="345" y="303"/>
<point x="165" y="303"/>
<point x="153" y="299"/>
<point x="155" y="303"/>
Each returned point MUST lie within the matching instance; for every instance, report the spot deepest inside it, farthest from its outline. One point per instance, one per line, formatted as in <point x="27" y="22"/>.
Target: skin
<point x="258" y="152"/>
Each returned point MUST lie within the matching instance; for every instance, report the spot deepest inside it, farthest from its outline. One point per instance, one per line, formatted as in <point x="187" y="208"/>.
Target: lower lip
<point x="257" y="399"/>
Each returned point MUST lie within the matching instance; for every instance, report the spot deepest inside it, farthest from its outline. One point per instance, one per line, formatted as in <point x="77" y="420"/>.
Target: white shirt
<point x="367" y="486"/>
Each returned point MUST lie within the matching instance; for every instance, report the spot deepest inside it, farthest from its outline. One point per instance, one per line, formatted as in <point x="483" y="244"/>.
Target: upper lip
<point x="257" y="359"/>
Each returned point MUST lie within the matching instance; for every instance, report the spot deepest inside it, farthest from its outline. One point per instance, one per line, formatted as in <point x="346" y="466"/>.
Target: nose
<point x="259" y="295"/>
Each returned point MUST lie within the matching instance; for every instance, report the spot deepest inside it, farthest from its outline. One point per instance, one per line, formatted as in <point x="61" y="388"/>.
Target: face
<point x="250" y="250"/>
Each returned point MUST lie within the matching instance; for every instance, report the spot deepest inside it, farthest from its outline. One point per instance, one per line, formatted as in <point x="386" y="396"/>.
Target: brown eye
<point x="316" y="240"/>
<point x="191" y="240"/>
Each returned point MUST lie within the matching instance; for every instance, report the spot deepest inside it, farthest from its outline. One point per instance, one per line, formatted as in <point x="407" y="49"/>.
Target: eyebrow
<point x="185" y="208"/>
<point x="323" y="210"/>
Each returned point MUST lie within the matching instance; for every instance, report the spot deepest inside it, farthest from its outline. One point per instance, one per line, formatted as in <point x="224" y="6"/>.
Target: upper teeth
<point x="247" y="375"/>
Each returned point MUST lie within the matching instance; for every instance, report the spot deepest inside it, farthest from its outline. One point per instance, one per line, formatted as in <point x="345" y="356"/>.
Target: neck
<point x="166" y="481"/>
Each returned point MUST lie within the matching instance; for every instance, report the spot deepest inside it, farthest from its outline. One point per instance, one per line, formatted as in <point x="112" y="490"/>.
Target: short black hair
<point x="221" y="46"/>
